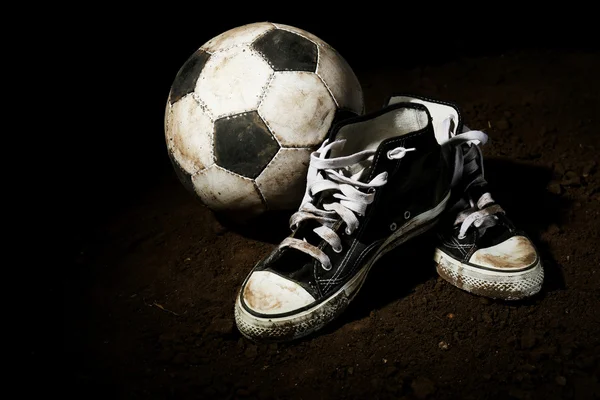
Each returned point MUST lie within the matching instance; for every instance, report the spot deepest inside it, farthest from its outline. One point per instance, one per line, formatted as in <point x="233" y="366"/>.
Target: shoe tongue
<point x="495" y="234"/>
<point x="357" y="171"/>
<point x="306" y="232"/>
<point x="501" y="229"/>
<point x="360" y="170"/>
<point x="306" y="228"/>
<point x="292" y="259"/>
<point x="476" y="192"/>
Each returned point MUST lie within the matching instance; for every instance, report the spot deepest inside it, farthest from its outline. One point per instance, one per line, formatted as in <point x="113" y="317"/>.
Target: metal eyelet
<point x="406" y="214"/>
<point x="347" y="231"/>
<point x="338" y="250"/>
<point x="393" y="226"/>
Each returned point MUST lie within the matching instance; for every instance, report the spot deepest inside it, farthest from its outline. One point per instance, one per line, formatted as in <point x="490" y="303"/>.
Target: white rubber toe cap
<point x="269" y="293"/>
<point x="515" y="253"/>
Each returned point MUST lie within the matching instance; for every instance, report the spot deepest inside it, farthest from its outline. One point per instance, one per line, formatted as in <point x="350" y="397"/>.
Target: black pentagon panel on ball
<point x="286" y="51"/>
<point x="185" y="80"/>
<point x="244" y="144"/>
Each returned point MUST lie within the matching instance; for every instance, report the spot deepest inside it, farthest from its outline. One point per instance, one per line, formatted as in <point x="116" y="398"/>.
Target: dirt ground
<point x="151" y="284"/>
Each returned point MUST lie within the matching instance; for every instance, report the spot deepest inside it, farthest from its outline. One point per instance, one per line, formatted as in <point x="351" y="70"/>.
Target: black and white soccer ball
<point x="246" y="110"/>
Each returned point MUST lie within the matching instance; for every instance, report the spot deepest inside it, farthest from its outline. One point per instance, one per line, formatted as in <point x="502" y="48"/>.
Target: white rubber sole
<point x="277" y="329"/>
<point x="505" y="285"/>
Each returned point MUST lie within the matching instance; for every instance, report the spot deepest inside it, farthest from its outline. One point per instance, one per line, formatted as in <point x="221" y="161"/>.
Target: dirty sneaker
<point x="479" y="249"/>
<point x="377" y="181"/>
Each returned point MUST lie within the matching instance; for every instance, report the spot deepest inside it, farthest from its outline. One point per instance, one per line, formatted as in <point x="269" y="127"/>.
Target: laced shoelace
<point x="479" y="213"/>
<point x="349" y="197"/>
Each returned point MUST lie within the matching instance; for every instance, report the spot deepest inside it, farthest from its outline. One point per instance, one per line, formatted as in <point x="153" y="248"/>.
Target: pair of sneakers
<point x="377" y="181"/>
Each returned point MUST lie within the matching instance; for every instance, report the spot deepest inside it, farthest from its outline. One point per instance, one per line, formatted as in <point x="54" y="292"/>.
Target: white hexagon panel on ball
<point x="189" y="134"/>
<point x="233" y="81"/>
<point x="237" y="36"/>
<point x="222" y="190"/>
<point x="340" y="80"/>
<point x="308" y="104"/>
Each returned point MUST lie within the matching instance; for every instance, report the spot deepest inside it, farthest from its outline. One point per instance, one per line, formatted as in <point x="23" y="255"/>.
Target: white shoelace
<point x="481" y="213"/>
<point x="350" y="197"/>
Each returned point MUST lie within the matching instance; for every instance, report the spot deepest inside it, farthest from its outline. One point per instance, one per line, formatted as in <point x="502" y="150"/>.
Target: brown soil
<point x="153" y="274"/>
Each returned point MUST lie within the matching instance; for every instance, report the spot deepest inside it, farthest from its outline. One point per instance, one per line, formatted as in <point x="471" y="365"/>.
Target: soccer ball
<point x="246" y="110"/>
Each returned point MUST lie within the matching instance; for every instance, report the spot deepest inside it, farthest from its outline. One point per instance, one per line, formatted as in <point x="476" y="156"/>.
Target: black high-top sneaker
<point x="377" y="181"/>
<point x="479" y="250"/>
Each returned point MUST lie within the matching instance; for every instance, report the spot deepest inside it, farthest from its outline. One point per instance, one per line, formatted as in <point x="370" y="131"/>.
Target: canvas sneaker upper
<point x="479" y="249"/>
<point x="377" y="181"/>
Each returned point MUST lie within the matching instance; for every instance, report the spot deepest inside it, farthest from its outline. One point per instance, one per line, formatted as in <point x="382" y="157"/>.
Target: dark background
<point x="133" y="55"/>
<point x="127" y="229"/>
